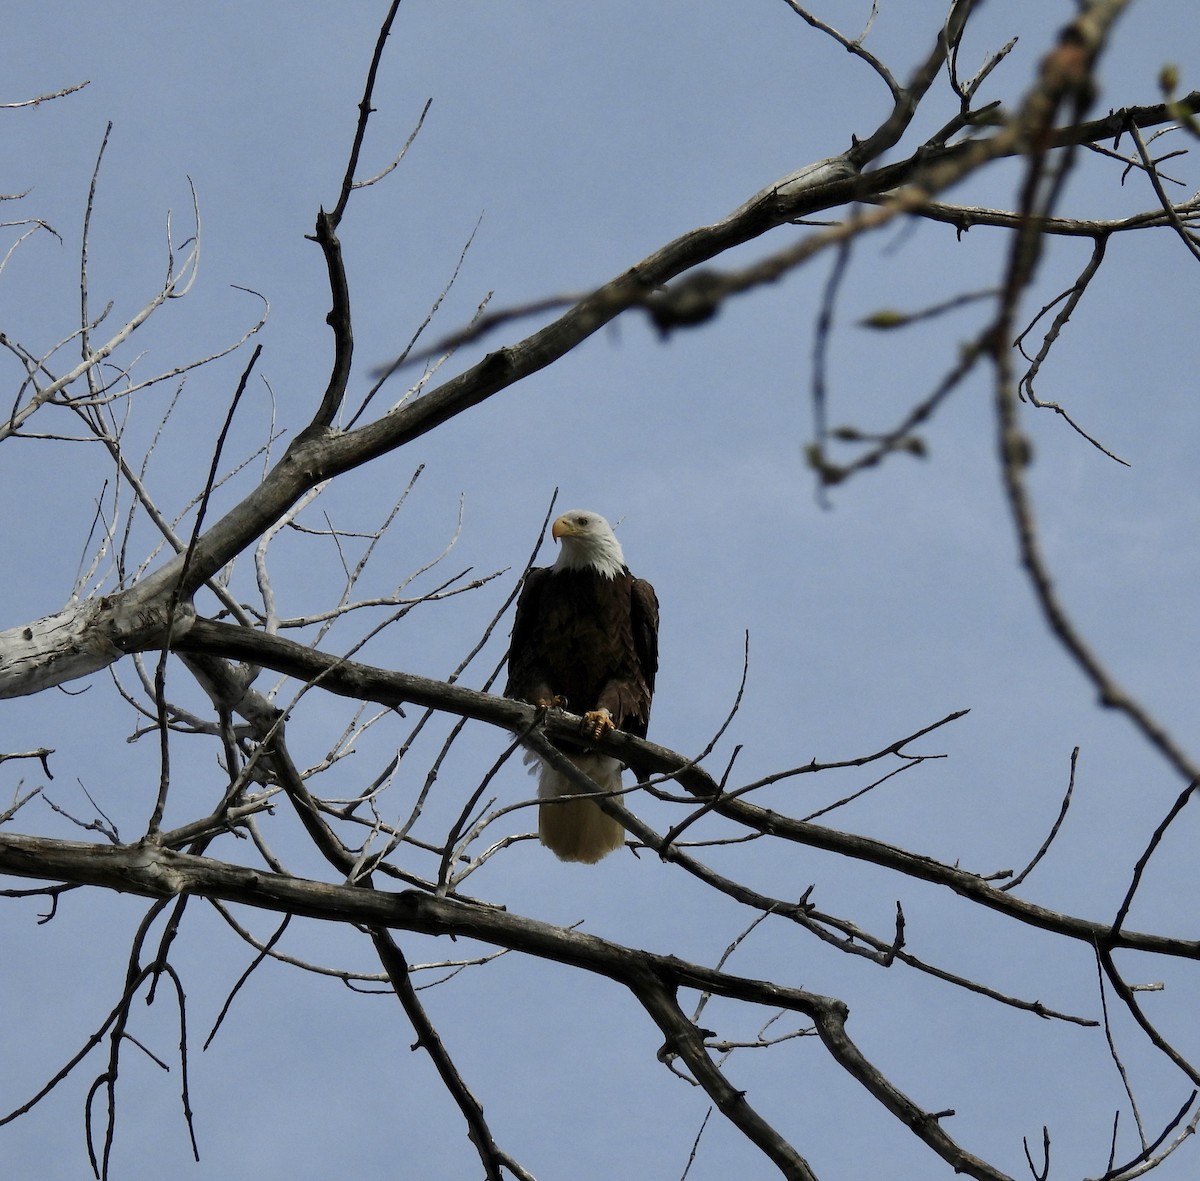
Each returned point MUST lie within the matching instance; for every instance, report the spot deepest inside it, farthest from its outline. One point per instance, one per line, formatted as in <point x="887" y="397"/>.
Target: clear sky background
<point x="570" y="141"/>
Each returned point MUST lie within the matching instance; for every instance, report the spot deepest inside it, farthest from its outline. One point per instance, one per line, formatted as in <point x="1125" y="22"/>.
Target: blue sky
<point x="577" y="139"/>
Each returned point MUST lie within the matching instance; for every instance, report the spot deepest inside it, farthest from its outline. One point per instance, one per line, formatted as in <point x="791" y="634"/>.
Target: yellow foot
<point x="555" y="702"/>
<point x="596" y="723"/>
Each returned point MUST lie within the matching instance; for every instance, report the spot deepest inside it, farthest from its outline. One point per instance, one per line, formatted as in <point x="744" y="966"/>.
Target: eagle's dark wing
<point x="645" y="629"/>
<point x="528" y="677"/>
<point x="643" y="618"/>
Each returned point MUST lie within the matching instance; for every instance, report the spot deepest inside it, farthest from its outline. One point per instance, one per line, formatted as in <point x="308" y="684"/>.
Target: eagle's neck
<point x="601" y="554"/>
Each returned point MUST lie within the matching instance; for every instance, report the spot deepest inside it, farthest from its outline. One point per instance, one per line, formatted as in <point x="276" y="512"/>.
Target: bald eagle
<point x="585" y="639"/>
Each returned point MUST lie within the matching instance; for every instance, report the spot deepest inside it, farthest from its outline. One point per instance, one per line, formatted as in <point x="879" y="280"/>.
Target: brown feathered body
<point x="588" y="640"/>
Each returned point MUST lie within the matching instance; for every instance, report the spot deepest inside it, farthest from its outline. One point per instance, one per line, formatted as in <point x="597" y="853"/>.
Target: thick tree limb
<point x="154" y="872"/>
<point x="365" y="682"/>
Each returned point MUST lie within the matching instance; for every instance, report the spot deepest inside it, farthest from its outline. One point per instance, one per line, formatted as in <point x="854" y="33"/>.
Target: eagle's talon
<point x="596" y="723"/>
<point x="558" y="701"/>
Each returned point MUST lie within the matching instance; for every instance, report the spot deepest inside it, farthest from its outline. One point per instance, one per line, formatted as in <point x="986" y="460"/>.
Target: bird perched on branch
<point x="585" y="639"/>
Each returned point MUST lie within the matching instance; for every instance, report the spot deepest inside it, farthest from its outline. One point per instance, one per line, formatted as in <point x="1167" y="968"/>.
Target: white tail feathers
<point x="578" y="830"/>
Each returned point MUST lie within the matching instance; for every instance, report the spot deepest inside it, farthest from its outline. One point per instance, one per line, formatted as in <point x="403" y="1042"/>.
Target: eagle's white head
<point x="588" y="542"/>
